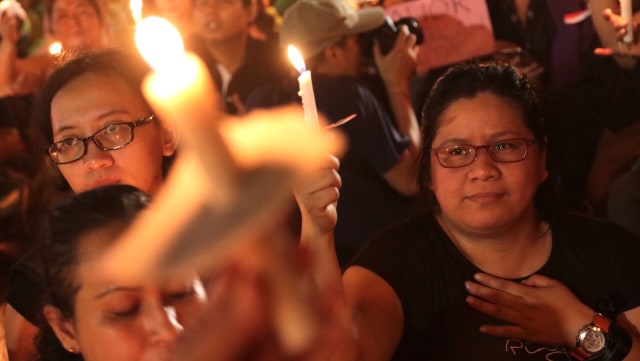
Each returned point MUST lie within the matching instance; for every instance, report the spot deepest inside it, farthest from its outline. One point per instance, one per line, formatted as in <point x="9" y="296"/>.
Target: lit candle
<point x="55" y="48"/>
<point x="306" y="87"/>
<point x="626" y="11"/>
<point x="181" y="93"/>
<point x="13" y="8"/>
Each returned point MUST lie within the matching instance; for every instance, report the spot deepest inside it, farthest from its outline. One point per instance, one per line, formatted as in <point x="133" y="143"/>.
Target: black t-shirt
<point x="598" y="261"/>
<point x="26" y="286"/>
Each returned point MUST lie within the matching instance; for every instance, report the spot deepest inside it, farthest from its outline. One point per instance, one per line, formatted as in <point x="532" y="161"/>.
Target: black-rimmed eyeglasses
<point x="502" y="151"/>
<point x="113" y="136"/>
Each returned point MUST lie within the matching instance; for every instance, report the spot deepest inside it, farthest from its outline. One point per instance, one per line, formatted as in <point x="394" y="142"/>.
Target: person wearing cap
<point x="378" y="171"/>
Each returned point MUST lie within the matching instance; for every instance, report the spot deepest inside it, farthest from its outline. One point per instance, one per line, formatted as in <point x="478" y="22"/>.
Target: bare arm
<point x="377" y="313"/>
<point x="396" y="68"/>
<point x="361" y="294"/>
<point x="630" y="321"/>
<point x="317" y="197"/>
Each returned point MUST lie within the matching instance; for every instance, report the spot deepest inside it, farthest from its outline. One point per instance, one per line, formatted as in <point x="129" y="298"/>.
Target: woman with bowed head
<point x="91" y="314"/>
<point x="488" y="270"/>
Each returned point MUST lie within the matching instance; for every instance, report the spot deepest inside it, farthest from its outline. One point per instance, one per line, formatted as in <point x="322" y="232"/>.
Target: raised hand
<point x="620" y="25"/>
<point x="539" y="310"/>
<point x="397" y="67"/>
<point x="9" y="28"/>
<point x="317" y="196"/>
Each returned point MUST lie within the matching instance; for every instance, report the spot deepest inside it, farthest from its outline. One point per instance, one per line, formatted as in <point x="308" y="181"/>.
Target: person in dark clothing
<point x="238" y="63"/>
<point x="378" y="170"/>
<point x="489" y="269"/>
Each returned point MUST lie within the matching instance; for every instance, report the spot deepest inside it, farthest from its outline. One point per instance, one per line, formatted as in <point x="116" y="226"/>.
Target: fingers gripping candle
<point x="306" y="87"/>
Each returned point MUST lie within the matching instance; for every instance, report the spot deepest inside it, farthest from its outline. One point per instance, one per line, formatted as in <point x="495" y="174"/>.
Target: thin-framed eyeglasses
<point x="113" y="136"/>
<point x="502" y="151"/>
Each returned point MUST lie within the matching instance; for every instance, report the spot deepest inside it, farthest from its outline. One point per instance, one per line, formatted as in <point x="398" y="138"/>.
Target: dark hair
<point x="466" y="80"/>
<point x="66" y="224"/>
<point x="127" y="66"/>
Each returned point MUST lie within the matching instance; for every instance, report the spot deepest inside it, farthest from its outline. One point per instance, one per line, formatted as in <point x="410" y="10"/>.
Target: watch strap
<point x="601" y="322"/>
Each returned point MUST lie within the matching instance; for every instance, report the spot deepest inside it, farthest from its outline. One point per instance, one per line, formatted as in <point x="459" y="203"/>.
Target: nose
<point x="96" y="158"/>
<point x="483" y="167"/>
<point x="162" y="325"/>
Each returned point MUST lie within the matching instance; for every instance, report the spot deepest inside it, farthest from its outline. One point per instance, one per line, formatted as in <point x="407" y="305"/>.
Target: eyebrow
<point x="492" y="137"/>
<point x="100" y="117"/>
<point x="113" y="289"/>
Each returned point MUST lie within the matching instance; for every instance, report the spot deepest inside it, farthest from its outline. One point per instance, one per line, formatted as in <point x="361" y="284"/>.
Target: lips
<point x="486" y="197"/>
<point x="105" y="182"/>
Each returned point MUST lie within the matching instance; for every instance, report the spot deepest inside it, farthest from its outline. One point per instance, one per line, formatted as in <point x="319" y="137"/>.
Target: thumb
<point x="538" y="281"/>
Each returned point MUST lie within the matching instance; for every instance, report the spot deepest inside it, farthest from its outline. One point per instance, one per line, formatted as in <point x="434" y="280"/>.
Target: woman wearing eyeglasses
<point x="100" y="128"/>
<point x="100" y="131"/>
<point x="489" y="271"/>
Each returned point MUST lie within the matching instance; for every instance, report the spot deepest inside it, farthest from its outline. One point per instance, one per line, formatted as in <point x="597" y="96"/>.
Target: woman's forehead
<point x="92" y="96"/>
<point x="483" y="113"/>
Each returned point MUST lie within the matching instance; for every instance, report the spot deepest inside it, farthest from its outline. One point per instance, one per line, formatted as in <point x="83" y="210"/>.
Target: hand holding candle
<point x="306" y="87"/>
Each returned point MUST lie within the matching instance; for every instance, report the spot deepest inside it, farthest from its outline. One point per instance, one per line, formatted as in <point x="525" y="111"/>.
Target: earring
<point x="71" y="349"/>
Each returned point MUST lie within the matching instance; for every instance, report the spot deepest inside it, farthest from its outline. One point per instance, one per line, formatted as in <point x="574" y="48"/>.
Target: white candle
<point x="305" y="87"/>
<point x="626" y="11"/>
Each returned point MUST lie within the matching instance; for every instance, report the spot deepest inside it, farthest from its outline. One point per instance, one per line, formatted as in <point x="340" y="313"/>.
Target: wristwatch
<point x="592" y="338"/>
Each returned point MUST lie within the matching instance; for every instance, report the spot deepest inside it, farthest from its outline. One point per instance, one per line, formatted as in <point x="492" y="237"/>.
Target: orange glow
<point x="55" y="48"/>
<point x="160" y="44"/>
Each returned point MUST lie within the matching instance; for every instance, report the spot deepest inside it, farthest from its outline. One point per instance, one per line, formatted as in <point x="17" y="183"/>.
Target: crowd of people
<point x="488" y="209"/>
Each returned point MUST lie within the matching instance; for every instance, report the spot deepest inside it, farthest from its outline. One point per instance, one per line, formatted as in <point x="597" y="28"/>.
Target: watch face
<point x="593" y="341"/>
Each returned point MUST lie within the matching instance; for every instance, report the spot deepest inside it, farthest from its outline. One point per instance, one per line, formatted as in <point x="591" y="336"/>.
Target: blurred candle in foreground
<point x="306" y="87"/>
<point x="182" y="95"/>
<point x="626" y="11"/>
<point x="136" y="10"/>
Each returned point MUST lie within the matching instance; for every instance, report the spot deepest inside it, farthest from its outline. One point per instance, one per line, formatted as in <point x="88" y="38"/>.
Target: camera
<point x="386" y="35"/>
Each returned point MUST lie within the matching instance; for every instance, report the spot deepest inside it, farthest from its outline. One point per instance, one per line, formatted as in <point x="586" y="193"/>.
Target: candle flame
<point x="296" y="58"/>
<point x="160" y="44"/>
<point x="55" y="48"/>
<point x="13" y="8"/>
<point x="136" y="9"/>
